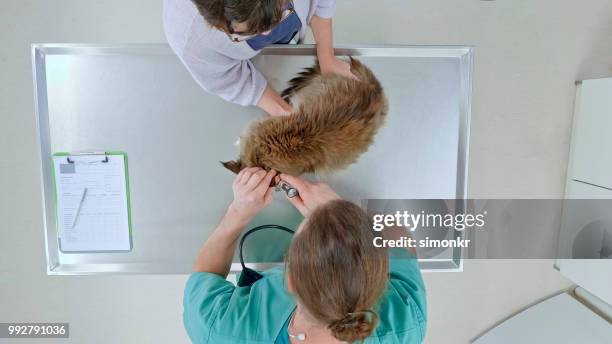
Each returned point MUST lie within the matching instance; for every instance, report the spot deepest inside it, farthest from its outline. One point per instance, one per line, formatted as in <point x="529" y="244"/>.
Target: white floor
<point x="528" y="55"/>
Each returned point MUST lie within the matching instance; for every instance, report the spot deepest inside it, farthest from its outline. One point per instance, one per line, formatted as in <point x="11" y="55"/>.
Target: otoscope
<point x="290" y="191"/>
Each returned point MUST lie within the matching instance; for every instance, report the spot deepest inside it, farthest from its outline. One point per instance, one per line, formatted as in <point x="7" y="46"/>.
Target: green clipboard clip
<point x="105" y="158"/>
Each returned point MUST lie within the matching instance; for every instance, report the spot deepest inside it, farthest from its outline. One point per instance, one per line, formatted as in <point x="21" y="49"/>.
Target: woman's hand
<point x="272" y="103"/>
<point x="323" y="35"/>
<point x="252" y="193"/>
<point x="311" y="195"/>
<point x="334" y="65"/>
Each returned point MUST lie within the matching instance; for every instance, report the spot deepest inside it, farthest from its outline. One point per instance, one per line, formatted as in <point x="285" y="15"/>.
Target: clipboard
<point x="92" y="202"/>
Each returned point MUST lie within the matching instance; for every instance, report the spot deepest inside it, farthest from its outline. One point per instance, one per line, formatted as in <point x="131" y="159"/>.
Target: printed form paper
<point x="92" y="203"/>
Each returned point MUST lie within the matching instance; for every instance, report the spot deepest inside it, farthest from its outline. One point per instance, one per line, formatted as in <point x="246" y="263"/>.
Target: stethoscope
<point x="248" y="275"/>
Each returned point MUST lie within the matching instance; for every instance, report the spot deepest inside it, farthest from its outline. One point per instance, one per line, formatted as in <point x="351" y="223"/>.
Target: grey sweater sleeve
<point x="219" y="66"/>
<point x="325" y="8"/>
<point x="234" y="80"/>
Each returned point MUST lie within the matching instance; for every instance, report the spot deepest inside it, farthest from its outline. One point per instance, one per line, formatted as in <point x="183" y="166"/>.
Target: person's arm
<point x="236" y="81"/>
<point x="310" y="195"/>
<point x="240" y="83"/>
<point x="323" y="35"/>
<point x="272" y="103"/>
<point x="252" y="193"/>
<point x="233" y="80"/>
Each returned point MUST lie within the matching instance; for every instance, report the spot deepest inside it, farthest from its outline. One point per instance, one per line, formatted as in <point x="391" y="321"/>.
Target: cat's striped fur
<point x="334" y="121"/>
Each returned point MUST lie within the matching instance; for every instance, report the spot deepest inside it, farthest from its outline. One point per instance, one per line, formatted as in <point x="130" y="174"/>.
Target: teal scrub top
<point x="218" y="312"/>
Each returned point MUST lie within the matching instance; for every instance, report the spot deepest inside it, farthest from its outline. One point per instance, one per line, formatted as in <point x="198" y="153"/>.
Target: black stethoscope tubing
<point x="258" y="228"/>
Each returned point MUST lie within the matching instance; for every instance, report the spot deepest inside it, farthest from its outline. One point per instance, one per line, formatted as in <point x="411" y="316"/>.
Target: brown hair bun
<point x="339" y="270"/>
<point x="354" y="326"/>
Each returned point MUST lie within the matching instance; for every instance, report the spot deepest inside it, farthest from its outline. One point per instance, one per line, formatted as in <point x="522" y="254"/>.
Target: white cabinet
<point x="591" y="157"/>
<point x="587" y="224"/>
<point x="586" y="234"/>
<point x="586" y="229"/>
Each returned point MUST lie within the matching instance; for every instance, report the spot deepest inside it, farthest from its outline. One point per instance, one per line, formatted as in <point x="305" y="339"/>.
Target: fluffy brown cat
<point x="334" y="121"/>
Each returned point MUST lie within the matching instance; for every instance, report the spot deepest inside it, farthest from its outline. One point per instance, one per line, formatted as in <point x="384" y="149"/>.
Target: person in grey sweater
<point x="215" y="40"/>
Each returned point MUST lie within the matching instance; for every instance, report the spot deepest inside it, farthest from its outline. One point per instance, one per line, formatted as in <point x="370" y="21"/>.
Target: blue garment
<point x="218" y="312"/>
<point x="283" y="336"/>
<point x="282" y="33"/>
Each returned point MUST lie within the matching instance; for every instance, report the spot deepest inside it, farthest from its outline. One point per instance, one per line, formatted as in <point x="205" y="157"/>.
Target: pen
<point x="79" y="208"/>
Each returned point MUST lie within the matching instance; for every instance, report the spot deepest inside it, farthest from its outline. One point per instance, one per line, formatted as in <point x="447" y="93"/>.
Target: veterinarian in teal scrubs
<point x="337" y="286"/>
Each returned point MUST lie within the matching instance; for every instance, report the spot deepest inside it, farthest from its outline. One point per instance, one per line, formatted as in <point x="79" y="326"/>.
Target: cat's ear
<point x="233" y="165"/>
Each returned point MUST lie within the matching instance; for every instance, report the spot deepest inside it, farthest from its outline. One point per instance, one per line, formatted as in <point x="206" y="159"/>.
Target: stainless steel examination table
<point x="140" y="99"/>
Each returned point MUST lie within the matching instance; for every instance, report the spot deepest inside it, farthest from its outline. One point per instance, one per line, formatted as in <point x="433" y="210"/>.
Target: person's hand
<point x="280" y="111"/>
<point x="252" y="193"/>
<point x="272" y="103"/>
<point x="311" y="195"/>
<point x="334" y="65"/>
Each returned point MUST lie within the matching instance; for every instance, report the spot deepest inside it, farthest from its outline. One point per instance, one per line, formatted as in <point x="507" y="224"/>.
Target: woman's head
<point x="245" y="17"/>
<point x="335" y="272"/>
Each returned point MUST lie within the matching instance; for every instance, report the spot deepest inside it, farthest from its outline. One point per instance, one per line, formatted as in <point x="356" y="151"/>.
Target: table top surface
<point x="139" y="99"/>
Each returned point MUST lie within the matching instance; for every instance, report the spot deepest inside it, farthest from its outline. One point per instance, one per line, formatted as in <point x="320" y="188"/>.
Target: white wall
<point x="528" y="55"/>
